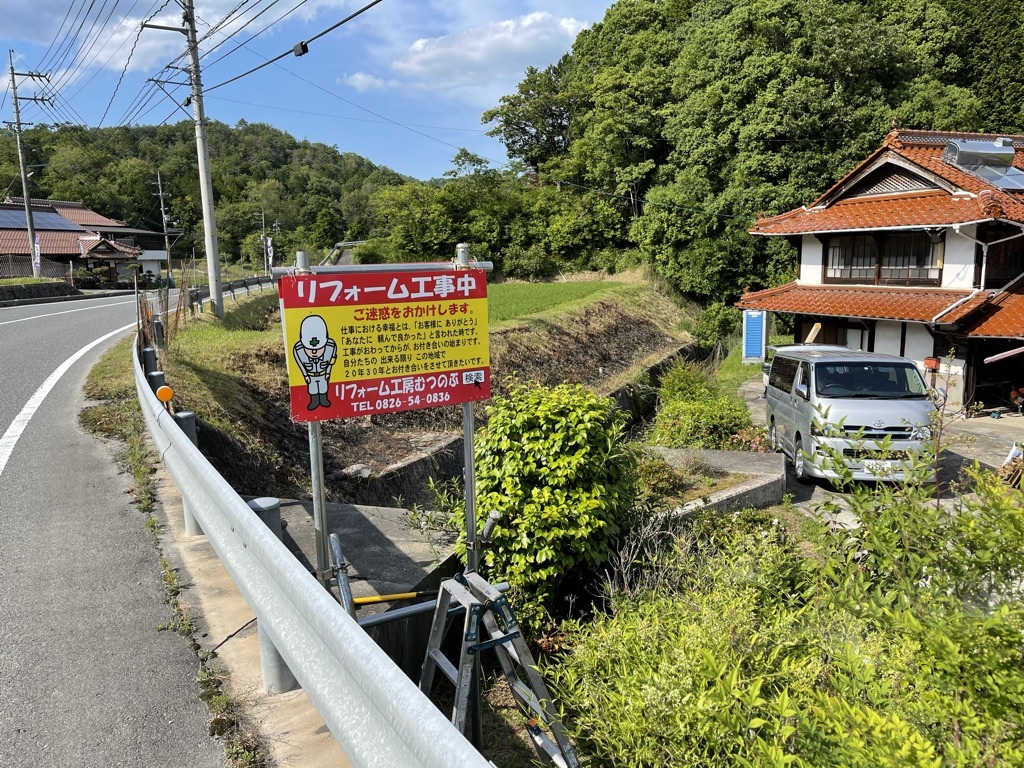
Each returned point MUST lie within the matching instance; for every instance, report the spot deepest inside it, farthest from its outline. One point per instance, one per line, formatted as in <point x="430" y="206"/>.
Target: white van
<point x="846" y="402"/>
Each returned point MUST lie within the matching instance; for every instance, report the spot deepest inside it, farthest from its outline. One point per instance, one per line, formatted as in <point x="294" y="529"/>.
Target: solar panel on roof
<point x="40" y="219"/>
<point x="988" y="160"/>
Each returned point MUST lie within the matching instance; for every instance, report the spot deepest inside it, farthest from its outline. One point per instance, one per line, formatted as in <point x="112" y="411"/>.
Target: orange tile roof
<point x="974" y="200"/>
<point x="62" y="245"/>
<point x="1002" y="317"/>
<point x="53" y="244"/>
<point x="878" y="303"/>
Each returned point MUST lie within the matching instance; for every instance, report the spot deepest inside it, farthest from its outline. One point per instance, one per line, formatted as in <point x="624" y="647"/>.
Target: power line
<point x="343" y="117"/>
<point x="300" y="48"/>
<point x="83" y="52"/>
<point x="129" y="61"/>
<point x="254" y="36"/>
<point x="636" y="198"/>
<point x="64" y="40"/>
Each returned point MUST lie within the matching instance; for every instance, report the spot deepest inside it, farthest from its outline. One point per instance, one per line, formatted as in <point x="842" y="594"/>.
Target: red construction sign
<point x="380" y="342"/>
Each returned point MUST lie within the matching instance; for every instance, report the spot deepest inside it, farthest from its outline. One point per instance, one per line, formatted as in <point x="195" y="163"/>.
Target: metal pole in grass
<point x="472" y="540"/>
<point x="316" y="471"/>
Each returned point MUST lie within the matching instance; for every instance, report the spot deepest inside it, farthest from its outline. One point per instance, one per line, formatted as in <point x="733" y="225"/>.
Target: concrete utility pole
<point x="29" y="223"/>
<point x="163" y="218"/>
<point x="188" y="17"/>
<point x="203" y="151"/>
<point x="263" y="237"/>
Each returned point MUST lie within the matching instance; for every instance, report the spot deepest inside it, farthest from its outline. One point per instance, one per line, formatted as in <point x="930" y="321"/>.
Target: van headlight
<point x="826" y="430"/>
<point x="921" y="433"/>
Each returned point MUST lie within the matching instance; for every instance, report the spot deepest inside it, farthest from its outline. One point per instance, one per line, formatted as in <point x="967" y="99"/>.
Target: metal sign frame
<point x="461" y="262"/>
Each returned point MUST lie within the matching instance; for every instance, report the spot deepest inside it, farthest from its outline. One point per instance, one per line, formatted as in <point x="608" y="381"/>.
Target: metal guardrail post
<point x="149" y="360"/>
<point x="268" y="509"/>
<point x="155" y="379"/>
<point x="277" y="678"/>
<point x="186" y="421"/>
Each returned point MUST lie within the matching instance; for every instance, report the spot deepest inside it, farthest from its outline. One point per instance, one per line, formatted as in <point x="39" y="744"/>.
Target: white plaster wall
<point x="811" y="254"/>
<point x="950" y="377"/>
<point x="887" y="337"/>
<point x="958" y="262"/>
<point x="920" y="344"/>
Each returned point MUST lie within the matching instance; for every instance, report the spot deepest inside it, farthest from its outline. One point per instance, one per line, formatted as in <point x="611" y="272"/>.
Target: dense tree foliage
<point x="666" y="131"/>
<point x="310" y="195"/>
<point x="692" y="117"/>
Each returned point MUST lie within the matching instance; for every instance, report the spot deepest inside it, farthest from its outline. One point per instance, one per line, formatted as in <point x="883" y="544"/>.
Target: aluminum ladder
<point x="487" y="611"/>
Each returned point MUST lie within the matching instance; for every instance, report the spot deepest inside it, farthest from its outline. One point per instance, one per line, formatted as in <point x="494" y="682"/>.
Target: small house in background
<point x="919" y="252"/>
<point x="71" y="236"/>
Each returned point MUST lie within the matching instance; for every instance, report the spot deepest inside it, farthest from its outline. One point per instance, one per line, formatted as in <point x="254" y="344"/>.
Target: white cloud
<point x="363" y="82"/>
<point x="481" y="61"/>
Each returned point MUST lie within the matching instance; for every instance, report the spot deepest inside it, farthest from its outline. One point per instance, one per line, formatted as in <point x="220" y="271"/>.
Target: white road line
<point x="66" y="311"/>
<point x="10" y="438"/>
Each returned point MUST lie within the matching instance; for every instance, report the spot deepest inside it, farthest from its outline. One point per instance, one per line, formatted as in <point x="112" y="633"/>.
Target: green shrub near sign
<point x="554" y="463"/>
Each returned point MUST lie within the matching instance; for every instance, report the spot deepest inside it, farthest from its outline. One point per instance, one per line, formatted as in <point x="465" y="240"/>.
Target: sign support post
<point x="469" y="467"/>
<point x="381" y="338"/>
<point x="316" y="472"/>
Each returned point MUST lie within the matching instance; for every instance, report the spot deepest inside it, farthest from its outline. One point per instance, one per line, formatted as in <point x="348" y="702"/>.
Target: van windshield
<point x="878" y="380"/>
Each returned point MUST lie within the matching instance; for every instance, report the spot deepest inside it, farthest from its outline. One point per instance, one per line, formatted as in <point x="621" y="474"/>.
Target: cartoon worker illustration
<point x="315" y="352"/>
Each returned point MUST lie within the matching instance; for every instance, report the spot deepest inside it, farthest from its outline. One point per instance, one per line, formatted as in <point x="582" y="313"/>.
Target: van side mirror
<point x="801" y="390"/>
<point x="938" y="396"/>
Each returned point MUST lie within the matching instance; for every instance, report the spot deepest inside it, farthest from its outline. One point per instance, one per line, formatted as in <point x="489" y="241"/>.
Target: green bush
<point x="709" y="423"/>
<point x="687" y="380"/>
<point x="526" y="262"/>
<point x="896" y="643"/>
<point x="554" y="464"/>
<point x="716" y="325"/>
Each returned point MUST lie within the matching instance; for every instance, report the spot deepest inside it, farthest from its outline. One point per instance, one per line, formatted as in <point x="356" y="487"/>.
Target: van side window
<point x="803" y="376"/>
<point x="782" y="374"/>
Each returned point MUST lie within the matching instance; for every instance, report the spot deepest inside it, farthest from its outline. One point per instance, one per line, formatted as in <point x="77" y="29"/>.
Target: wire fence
<point x="21" y="266"/>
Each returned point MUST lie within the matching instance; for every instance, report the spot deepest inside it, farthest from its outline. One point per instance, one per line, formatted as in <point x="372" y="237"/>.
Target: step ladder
<point x="488" y="612"/>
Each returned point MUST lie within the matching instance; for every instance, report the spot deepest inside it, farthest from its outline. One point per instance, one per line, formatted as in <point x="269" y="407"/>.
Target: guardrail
<point x="196" y="296"/>
<point x="378" y="716"/>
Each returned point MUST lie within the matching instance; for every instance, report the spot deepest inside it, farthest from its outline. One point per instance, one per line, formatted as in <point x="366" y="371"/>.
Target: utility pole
<point x="29" y="223"/>
<point x="263" y="237"/>
<point x="163" y="218"/>
<point x="188" y="17"/>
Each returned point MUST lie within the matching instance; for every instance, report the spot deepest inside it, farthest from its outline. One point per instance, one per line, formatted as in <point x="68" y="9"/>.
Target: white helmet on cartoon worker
<point x="313" y="332"/>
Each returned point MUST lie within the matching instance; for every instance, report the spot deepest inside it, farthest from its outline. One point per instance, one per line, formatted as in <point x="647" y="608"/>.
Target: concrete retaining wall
<point x="765" y="488"/>
<point x="23" y="291"/>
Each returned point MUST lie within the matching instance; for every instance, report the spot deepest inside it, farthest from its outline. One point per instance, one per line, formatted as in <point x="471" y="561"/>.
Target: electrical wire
<point x="254" y="36"/>
<point x="129" y="61"/>
<point x="631" y="198"/>
<point x="343" y="117"/>
<point x="110" y="58"/>
<point x="56" y="35"/>
<point x="304" y="44"/>
<point x="85" y="48"/>
<point x="224" y="20"/>
<point x="46" y="64"/>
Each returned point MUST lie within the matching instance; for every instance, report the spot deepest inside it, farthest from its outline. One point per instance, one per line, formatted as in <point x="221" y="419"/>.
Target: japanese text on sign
<point x="366" y="343"/>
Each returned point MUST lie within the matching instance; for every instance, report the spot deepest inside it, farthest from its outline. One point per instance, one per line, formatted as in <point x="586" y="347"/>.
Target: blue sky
<point x="403" y="84"/>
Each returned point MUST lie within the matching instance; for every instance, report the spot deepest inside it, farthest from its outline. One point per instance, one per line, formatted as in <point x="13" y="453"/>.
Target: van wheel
<point x="773" y="437"/>
<point x="799" y="461"/>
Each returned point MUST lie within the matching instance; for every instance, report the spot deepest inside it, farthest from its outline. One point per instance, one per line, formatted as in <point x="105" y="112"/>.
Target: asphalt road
<point x="86" y="678"/>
